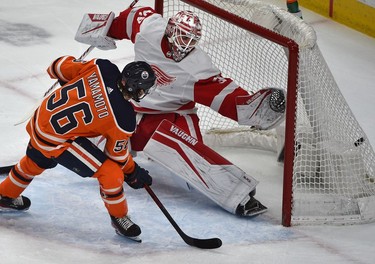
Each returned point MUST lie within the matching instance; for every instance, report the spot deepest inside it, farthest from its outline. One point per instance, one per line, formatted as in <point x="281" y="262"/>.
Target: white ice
<point x="67" y="222"/>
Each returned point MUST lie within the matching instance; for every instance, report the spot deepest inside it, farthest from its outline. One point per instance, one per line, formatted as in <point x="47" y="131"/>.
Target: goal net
<point x="329" y="162"/>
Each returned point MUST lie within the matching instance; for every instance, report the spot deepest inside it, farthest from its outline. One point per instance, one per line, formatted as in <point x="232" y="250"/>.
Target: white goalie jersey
<point x="179" y="85"/>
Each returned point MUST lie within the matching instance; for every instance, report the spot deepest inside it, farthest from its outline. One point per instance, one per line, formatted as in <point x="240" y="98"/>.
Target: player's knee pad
<point x="110" y="177"/>
<point x="27" y="166"/>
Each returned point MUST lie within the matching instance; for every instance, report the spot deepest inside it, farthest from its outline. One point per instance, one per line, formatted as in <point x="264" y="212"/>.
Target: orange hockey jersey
<point x="88" y="105"/>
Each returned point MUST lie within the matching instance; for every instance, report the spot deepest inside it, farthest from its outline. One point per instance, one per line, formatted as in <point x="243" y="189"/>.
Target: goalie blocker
<point x="93" y="31"/>
<point x="204" y="169"/>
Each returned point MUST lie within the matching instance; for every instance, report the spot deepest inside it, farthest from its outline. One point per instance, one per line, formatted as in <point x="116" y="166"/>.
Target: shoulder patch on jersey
<point x="162" y="78"/>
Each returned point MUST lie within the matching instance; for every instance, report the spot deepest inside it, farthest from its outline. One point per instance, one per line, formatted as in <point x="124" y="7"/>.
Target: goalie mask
<point x="137" y="78"/>
<point x="183" y="33"/>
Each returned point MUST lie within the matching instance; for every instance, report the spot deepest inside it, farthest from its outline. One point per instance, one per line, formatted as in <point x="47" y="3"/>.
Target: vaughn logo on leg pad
<point x="200" y="166"/>
<point x="183" y="135"/>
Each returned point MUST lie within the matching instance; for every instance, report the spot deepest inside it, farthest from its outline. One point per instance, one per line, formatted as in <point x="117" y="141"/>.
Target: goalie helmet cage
<point x="329" y="162"/>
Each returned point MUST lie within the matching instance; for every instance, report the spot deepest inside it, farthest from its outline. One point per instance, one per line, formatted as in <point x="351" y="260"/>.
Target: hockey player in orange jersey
<point x="93" y="101"/>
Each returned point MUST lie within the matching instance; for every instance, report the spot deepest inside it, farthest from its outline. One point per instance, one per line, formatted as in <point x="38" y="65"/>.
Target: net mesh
<point x="333" y="167"/>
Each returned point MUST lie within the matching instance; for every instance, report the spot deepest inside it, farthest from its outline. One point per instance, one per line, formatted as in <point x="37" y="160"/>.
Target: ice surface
<point x="67" y="222"/>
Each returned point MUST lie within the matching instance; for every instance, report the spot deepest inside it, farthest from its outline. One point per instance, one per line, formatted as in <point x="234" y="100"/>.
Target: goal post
<point x="329" y="163"/>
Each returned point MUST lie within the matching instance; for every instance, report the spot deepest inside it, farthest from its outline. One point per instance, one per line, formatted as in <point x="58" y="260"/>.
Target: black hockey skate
<point x="125" y="227"/>
<point x="20" y="203"/>
<point x="251" y="207"/>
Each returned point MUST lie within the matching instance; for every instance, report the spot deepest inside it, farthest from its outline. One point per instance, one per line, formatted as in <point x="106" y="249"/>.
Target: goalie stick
<point x="209" y="243"/>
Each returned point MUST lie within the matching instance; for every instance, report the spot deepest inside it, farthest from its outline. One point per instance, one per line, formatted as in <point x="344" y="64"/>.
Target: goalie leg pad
<point x="263" y="110"/>
<point x="200" y="166"/>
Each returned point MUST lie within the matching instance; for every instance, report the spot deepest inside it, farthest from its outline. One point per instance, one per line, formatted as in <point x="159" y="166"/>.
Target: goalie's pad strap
<point x="200" y="166"/>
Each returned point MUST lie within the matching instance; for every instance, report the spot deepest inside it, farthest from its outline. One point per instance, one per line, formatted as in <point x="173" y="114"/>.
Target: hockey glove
<point x="93" y="31"/>
<point x="138" y="178"/>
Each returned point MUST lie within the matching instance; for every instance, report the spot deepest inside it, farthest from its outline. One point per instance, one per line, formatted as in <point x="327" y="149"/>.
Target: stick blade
<point x="210" y="243"/>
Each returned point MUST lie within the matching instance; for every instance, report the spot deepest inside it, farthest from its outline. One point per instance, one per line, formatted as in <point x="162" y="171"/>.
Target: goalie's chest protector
<point x="175" y="80"/>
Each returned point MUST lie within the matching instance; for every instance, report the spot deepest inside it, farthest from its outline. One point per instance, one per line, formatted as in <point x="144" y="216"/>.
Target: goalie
<point x="186" y="76"/>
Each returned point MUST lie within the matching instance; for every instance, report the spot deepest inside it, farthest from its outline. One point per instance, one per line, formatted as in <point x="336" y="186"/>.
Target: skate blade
<point x="255" y="212"/>
<point x="12" y="210"/>
<point x="135" y="238"/>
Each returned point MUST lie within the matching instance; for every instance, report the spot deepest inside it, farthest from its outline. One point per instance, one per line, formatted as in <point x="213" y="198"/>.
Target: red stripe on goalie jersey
<point x="88" y="105"/>
<point x="120" y="28"/>
<point x="219" y="94"/>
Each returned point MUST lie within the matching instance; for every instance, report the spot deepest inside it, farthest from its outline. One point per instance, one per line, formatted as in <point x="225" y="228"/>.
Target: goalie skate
<point x="20" y="203"/>
<point x="126" y="228"/>
<point x="250" y="207"/>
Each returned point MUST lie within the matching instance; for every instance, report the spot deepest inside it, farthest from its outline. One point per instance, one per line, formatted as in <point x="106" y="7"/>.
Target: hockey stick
<point x="6" y="169"/>
<point x="209" y="243"/>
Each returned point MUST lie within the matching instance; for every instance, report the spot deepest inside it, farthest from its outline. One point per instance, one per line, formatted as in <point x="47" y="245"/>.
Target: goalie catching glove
<point x="138" y="178"/>
<point x="263" y="110"/>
